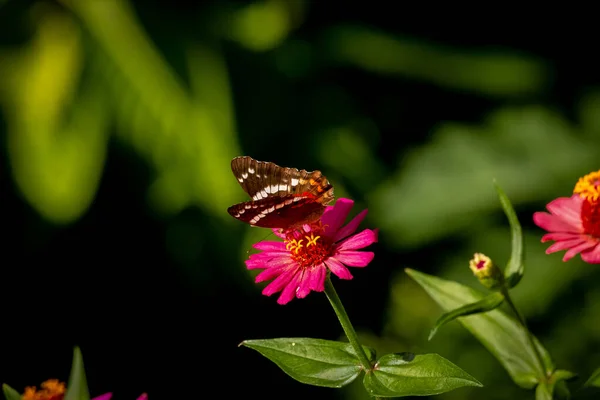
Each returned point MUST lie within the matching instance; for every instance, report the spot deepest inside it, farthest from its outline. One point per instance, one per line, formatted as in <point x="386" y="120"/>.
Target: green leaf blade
<point x="315" y="362"/>
<point x="543" y="392"/>
<point x="562" y="375"/>
<point x="10" y="393"/>
<point x="502" y="335"/>
<point x="594" y="379"/>
<point x="486" y="304"/>
<point x="516" y="268"/>
<point x="77" y="388"/>
<point x="397" y="375"/>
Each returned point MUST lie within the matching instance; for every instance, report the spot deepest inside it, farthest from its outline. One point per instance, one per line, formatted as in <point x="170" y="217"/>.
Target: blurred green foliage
<point x="250" y="78"/>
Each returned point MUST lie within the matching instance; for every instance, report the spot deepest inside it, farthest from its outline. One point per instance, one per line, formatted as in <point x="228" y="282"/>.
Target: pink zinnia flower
<point x="574" y="222"/>
<point x="299" y="264"/>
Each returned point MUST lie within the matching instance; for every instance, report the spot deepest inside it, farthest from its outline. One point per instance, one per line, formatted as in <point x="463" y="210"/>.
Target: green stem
<point x="338" y="307"/>
<point x="521" y="318"/>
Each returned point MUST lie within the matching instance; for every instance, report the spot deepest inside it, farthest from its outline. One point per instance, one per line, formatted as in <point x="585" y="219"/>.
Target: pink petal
<point x="358" y="241"/>
<point x="271" y="273"/>
<point x="267" y="255"/>
<point x="281" y="281"/>
<point x="592" y="256"/>
<point x="270" y="246"/>
<point x="304" y="284"/>
<point x="565" y="215"/>
<point x="144" y="396"/>
<point x="573" y="251"/>
<point x="564" y="245"/>
<point x="311" y="279"/>
<point x="105" y="396"/>
<point x="289" y="292"/>
<point x="338" y="268"/>
<point x="552" y="223"/>
<point x="317" y="278"/>
<point x="556" y="236"/>
<point x="268" y="262"/>
<point x="567" y="208"/>
<point x="334" y="217"/>
<point x="355" y="258"/>
<point x="351" y="227"/>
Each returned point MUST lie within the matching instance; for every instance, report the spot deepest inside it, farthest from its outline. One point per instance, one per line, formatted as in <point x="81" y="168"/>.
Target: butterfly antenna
<point x="262" y="240"/>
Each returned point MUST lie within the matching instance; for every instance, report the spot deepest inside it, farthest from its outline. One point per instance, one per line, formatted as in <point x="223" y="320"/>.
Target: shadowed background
<point x="118" y="121"/>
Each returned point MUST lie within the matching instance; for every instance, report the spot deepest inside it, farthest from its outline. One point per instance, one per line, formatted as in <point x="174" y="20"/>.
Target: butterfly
<point x="282" y="198"/>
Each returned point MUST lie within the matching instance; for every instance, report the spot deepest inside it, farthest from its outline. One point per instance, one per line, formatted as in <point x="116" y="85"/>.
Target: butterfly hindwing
<point x="277" y="212"/>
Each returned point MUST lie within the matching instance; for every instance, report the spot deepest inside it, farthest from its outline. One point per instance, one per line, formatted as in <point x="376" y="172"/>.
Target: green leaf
<point x="594" y="379"/>
<point x="515" y="269"/>
<point x="312" y="361"/>
<point x="153" y="107"/>
<point x="488" y="303"/>
<point x="10" y="393"/>
<point x="77" y="386"/>
<point x="561" y="391"/>
<point x="562" y="375"/>
<point x="543" y="392"/>
<point x="58" y="152"/>
<point x="405" y="374"/>
<point x="498" y="75"/>
<point x="502" y="335"/>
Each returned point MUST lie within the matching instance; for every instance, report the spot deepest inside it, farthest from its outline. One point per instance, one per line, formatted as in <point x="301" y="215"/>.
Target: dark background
<point x="412" y="114"/>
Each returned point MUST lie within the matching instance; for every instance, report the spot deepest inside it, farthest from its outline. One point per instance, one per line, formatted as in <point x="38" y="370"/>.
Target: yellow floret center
<point x="588" y="186"/>
<point x="308" y="250"/>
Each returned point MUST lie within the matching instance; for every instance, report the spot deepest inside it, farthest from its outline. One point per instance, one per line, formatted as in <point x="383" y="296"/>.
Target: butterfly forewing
<point x="262" y="179"/>
<point x="281" y="197"/>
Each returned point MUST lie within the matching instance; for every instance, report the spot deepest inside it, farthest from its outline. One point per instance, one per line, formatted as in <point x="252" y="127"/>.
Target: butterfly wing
<point x="281" y="197"/>
<point x="263" y="179"/>
<point x="282" y="212"/>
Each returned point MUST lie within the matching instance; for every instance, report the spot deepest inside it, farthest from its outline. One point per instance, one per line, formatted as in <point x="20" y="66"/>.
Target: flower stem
<point x="521" y="318"/>
<point x="338" y="307"/>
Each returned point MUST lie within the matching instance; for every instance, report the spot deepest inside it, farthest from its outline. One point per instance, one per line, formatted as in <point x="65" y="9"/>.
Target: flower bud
<point x="486" y="271"/>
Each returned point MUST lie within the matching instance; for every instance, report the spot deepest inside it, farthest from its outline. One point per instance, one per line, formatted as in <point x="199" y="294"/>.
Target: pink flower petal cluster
<point x="300" y="263"/>
<point x="573" y="222"/>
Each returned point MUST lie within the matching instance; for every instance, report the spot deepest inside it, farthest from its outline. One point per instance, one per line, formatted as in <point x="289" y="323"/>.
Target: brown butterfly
<point x="283" y="198"/>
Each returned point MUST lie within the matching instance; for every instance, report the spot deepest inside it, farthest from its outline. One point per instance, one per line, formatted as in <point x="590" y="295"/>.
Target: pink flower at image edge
<point x="566" y="228"/>
<point x="299" y="264"/>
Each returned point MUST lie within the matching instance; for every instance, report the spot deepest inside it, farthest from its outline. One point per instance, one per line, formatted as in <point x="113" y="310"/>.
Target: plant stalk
<point x="521" y="319"/>
<point x="338" y="307"/>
